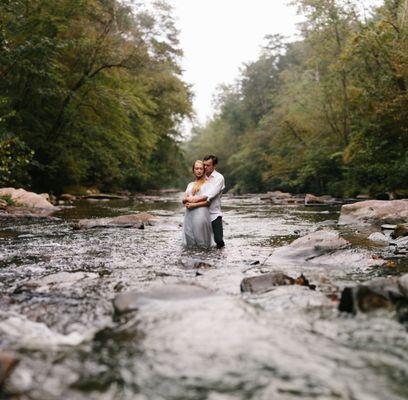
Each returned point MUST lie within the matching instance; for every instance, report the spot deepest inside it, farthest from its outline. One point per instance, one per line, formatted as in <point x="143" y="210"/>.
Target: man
<point x="217" y="185"/>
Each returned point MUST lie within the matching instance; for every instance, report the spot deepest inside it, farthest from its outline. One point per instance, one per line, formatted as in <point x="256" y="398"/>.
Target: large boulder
<point x="122" y="221"/>
<point x="326" y="247"/>
<point x="27" y="199"/>
<point x="374" y="212"/>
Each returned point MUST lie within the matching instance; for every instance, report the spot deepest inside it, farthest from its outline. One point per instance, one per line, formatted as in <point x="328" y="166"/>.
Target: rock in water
<point x="380" y="293"/>
<point x="378" y="237"/>
<point x="400" y="231"/>
<point x="312" y="199"/>
<point x="313" y="245"/>
<point x="374" y="212"/>
<point x="266" y="282"/>
<point x="122" y="221"/>
<point x="27" y="199"/>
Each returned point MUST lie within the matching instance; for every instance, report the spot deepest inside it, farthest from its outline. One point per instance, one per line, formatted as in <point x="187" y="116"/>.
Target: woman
<point x="197" y="230"/>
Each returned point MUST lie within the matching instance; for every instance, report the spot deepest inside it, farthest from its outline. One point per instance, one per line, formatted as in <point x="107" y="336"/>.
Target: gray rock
<point x="400" y="245"/>
<point x="311" y="199"/>
<point x="374" y="212"/>
<point x="313" y="245"/>
<point x="266" y="282"/>
<point x="133" y="300"/>
<point x="378" y="237"/>
<point x="380" y="293"/>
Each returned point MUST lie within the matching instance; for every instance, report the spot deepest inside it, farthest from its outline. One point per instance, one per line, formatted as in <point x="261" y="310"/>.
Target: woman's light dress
<point x="197" y="229"/>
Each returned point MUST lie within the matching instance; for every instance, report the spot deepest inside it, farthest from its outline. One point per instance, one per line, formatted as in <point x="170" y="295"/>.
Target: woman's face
<point x="198" y="169"/>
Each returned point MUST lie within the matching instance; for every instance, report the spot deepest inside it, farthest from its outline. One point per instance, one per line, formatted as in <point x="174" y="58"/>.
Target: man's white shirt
<point x="216" y="186"/>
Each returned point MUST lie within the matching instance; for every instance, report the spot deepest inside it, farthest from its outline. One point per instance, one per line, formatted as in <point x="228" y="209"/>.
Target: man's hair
<point x="211" y="157"/>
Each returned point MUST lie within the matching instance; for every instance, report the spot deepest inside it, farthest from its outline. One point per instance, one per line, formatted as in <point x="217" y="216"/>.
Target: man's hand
<point x="190" y="205"/>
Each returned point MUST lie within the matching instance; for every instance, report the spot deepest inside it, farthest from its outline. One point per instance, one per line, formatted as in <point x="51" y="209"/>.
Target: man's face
<point x="209" y="167"/>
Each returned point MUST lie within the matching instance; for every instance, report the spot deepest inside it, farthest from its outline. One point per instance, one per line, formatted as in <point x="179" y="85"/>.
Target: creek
<point x="56" y="315"/>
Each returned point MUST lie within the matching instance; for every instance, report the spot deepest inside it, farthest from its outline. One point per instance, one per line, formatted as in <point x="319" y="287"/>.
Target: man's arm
<point x="216" y="187"/>
<point x="197" y="204"/>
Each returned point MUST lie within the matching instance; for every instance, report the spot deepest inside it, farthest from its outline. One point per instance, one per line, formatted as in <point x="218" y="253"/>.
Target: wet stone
<point x="374" y="212"/>
<point x="378" y="237"/>
<point x="313" y="245"/>
<point x="267" y="282"/>
<point x="380" y="293"/>
<point x="400" y="230"/>
<point x="123" y="221"/>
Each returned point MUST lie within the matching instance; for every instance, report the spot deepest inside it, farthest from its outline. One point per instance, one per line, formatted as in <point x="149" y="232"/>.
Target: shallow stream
<point x="56" y="314"/>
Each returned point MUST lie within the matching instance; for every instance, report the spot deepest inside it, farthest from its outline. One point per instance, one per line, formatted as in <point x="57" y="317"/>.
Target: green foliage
<point x="8" y="199"/>
<point x="326" y="114"/>
<point x="95" y="89"/>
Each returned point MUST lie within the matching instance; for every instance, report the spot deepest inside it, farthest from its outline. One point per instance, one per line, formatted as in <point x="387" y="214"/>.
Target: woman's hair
<point x="199" y="182"/>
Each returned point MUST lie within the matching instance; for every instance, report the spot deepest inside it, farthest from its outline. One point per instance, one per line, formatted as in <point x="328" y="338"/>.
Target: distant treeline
<point x="325" y="114"/>
<point x="90" y="95"/>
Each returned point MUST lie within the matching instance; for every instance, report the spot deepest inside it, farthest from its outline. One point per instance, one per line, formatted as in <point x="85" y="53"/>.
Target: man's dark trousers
<point x="218" y="234"/>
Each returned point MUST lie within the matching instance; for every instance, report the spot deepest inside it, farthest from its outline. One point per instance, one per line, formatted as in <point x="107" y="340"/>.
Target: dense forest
<point x="91" y="95"/>
<point x="325" y="114"/>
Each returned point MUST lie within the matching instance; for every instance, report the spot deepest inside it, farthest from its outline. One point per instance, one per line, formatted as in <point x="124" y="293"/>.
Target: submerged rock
<point x="267" y="282"/>
<point x="122" y="221"/>
<point x="374" y="212"/>
<point x="130" y="301"/>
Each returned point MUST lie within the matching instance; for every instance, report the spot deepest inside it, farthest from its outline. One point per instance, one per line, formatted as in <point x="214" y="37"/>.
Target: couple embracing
<point x="203" y="218"/>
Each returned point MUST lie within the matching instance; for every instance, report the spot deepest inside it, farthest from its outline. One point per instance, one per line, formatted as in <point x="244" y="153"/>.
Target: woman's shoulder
<point x="189" y="186"/>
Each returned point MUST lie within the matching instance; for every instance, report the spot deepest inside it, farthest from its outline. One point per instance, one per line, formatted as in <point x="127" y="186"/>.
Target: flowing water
<point x="56" y="313"/>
